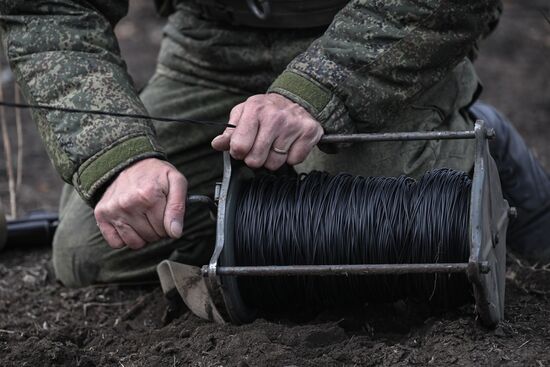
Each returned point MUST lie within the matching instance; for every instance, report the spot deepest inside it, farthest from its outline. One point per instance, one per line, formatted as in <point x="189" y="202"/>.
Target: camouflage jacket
<point x="375" y="56"/>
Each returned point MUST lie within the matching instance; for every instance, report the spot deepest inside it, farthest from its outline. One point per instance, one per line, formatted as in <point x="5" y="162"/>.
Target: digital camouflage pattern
<point x="64" y="53"/>
<point x="376" y="57"/>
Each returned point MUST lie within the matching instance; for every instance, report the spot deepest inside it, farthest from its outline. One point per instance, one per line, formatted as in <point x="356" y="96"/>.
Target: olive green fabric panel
<point x="311" y="93"/>
<point x="102" y="168"/>
<point x="321" y="103"/>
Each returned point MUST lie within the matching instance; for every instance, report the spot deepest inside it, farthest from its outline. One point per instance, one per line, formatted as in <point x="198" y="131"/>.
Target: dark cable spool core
<point x="321" y="219"/>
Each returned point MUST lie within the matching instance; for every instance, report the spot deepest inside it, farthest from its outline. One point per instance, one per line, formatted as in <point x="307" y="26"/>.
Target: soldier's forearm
<point x="65" y="53"/>
<point x="377" y="56"/>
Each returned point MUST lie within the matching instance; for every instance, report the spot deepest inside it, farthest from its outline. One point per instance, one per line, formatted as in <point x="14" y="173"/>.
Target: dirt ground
<point x="43" y="323"/>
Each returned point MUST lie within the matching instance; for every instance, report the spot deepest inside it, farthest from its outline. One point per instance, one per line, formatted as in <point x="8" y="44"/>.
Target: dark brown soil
<point x="45" y="324"/>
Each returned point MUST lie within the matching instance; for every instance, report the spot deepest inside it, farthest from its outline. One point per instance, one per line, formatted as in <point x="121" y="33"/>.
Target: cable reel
<point x="213" y="292"/>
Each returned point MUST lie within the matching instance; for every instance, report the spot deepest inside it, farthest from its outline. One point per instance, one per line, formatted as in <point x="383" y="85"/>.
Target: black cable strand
<point x="344" y="219"/>
<point x="111" y="113"/>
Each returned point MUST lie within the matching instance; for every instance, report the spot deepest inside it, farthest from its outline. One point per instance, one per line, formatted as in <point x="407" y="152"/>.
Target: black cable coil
<point x="317" y="218"/>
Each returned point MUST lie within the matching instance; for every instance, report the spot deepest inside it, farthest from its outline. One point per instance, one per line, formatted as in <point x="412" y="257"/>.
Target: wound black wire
<point x="110" y="113"/>
<point x="322" y="219"/>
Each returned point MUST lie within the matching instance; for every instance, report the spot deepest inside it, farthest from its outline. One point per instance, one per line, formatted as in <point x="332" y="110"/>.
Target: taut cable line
<point x="111" y="113"/>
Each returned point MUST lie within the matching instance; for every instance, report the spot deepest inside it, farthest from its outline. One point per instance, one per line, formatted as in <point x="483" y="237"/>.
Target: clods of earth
<point x="43" y="323"/>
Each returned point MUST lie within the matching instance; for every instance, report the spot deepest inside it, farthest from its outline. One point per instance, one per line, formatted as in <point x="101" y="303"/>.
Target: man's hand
<point x="145" y="203"/>
<point x="271" y="130"/>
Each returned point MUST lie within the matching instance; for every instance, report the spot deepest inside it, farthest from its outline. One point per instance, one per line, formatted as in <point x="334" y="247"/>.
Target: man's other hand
<point x="145" y="203"/>
<point x="270" y="130"/>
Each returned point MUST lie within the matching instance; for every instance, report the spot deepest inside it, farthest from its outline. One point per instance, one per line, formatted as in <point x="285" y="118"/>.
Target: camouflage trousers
<point x="204" y="70"/>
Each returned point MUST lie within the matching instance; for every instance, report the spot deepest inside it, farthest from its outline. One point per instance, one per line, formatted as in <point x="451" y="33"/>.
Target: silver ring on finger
<point x="279" y="151"/>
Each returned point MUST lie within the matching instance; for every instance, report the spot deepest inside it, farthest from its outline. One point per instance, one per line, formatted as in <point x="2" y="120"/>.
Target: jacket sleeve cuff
<point x="92" y="176"/>
<point x="319" y="101"/>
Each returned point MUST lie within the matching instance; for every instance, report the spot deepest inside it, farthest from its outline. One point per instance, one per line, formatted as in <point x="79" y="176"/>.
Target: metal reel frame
<point x="488" y="221"/>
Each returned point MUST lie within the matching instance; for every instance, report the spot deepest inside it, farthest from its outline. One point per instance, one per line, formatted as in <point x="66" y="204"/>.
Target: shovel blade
<point x="191" y="286"/>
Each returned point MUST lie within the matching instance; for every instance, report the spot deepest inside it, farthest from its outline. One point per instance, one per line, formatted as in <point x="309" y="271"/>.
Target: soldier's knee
<point x="75" y="262"/>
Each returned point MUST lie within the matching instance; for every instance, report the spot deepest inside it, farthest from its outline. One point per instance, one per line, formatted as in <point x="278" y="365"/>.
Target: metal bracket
<point x="489" y="215"/>
<point x="235" y="173"/>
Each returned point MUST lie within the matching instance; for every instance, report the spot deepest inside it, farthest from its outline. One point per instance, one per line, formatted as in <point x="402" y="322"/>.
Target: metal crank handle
<point x="193" y="199"/>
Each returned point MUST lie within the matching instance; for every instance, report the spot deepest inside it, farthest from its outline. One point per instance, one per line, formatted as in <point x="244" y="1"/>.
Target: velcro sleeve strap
<point x="314" y="95"/>
<point x="92" y="176"/>
<point x="319" y="101"/>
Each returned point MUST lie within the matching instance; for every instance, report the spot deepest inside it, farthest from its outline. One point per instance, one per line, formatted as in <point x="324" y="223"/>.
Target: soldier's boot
<point x="525" y="184"/>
